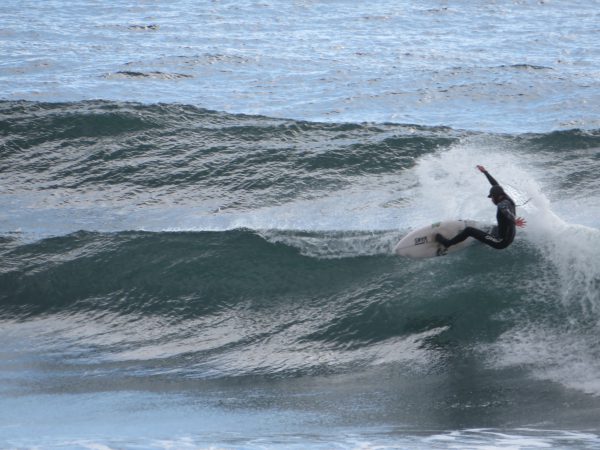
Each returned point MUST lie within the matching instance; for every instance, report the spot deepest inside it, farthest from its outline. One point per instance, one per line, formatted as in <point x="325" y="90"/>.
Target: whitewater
<point x="199" y="204"/>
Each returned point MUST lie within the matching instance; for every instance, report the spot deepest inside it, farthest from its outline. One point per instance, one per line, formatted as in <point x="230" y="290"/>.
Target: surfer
<point x="503" y="234"/>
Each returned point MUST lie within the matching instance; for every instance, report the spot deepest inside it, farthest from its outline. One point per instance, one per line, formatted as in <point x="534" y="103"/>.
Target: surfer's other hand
<point x="481" y="169"/>
<point x="520" y="222"/>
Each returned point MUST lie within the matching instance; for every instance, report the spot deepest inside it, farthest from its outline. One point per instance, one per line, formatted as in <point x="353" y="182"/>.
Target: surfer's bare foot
<point x="441" y="239"/>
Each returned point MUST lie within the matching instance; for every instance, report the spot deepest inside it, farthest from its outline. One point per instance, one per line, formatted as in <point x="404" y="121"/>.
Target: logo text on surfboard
<point x="421" y="240"/>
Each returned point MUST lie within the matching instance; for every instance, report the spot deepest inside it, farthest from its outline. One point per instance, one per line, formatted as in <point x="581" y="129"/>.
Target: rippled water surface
<point x="199" y="203"/>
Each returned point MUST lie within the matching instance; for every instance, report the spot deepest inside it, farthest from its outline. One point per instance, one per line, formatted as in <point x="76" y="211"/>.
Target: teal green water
<point x="242" y="268"/>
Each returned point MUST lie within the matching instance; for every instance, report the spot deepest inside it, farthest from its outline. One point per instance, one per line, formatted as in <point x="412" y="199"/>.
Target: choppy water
<point x="511" y="65"/>
<point x="175" y="276"/>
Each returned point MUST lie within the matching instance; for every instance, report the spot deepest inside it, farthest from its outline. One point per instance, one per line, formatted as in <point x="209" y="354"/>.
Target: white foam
<point x="450" y="186"/>
<point x="573" y="250"/>
<point x="364" y="438"/>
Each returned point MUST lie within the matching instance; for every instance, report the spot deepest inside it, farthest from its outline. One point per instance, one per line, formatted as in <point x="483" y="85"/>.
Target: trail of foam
<point x="336" y="244"/>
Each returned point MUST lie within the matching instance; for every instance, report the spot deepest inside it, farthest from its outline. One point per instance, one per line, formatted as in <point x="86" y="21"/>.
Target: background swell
<point x="130" y="147"/>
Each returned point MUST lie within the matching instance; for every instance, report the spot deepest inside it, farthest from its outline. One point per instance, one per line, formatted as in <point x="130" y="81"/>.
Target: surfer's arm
<point x="490" y="178"/>
<point x="505" y="210"/>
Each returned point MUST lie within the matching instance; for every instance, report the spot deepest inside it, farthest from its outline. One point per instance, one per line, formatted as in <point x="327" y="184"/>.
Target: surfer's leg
<point x="464" y="234"/>
<point x="489" y="239"/>
<point x="475" y="233"/>
<point x="442" y="240"/>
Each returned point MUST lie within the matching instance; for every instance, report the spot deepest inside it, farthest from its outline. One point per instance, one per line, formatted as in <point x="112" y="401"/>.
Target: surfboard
<point x="421" y="243"/>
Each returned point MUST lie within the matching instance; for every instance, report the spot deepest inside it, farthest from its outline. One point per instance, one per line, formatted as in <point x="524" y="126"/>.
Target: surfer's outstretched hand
<point x="481" y="169"/>
<point x="520" y="222"/>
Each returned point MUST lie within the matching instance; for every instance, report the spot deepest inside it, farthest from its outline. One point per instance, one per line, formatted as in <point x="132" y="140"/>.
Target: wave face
<point x="167" y="239"/>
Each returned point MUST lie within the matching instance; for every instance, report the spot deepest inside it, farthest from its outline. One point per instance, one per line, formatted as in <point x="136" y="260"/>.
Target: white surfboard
<point x="421" y="243"/>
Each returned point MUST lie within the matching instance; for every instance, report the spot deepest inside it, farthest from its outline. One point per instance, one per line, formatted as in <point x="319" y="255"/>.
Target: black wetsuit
<point x="502" y="235"/>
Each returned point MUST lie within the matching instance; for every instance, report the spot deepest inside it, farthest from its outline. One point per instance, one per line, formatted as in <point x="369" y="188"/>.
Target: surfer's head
<point x="496" y="193"/>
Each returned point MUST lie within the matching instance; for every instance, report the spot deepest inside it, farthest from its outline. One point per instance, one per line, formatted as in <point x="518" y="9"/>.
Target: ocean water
<point x="199" y="203"/>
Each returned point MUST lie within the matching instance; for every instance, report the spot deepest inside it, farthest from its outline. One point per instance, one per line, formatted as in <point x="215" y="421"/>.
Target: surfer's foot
<point x="442" y="240"/>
